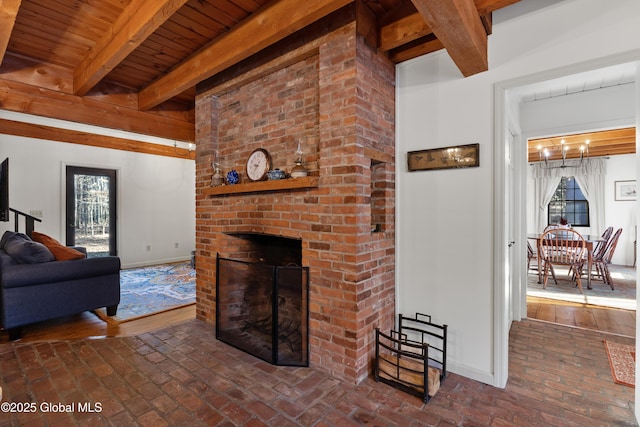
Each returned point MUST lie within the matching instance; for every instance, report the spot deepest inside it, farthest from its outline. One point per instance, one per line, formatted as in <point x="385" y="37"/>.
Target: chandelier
<point x="544" y="153"/>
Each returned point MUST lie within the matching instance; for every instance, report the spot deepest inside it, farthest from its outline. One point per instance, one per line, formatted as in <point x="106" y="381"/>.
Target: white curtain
<point x="590" y="177"/>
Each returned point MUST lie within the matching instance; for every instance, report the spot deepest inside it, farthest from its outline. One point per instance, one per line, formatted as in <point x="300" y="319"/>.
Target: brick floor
<point x="180" y="375"/>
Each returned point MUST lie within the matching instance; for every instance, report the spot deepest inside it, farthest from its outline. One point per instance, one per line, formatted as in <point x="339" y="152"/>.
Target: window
<point x="569" y="203"/>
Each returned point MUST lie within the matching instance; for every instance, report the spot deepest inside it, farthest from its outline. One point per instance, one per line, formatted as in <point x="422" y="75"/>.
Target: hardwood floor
<point x="88" y="325"/>
<point x="603" y="319"/>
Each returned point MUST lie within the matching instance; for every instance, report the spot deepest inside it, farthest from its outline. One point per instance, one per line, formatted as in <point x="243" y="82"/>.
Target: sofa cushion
<point x="24" y="250"/>
<point x="59" y="251"/>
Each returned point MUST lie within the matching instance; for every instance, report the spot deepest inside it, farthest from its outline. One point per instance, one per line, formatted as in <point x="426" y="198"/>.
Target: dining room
<point x="581" y="176"/>
<point x="581" y="192"/>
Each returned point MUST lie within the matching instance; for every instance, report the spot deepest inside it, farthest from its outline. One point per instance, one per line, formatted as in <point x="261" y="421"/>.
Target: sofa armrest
<point x="79" y="249"/>
<point x="58" y="271"/>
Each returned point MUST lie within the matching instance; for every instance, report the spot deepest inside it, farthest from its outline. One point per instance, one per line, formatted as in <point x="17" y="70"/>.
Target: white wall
<point x="156" y="195"/>
<point x="445" y="262"/>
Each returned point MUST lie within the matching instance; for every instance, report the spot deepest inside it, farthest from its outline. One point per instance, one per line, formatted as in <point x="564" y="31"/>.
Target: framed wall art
<point x="625" y="190"/>
<point x="455" y="157"/>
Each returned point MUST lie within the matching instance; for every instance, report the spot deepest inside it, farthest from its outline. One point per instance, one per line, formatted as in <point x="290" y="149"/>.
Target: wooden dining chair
<point x="532" y="255"/>
<point x="600" y="248"/>
<point x="598" y="251"/>
<point x="601" y="261"/>
<point x="567" y="248"/>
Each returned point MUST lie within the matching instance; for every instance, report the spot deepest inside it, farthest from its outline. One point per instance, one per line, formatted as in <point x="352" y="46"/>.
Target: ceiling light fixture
<point x="544" y="153"/>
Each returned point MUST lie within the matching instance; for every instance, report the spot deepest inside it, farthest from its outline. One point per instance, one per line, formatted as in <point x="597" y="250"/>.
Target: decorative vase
<point x="298" y="171"/>
<point x="275" y="174"/>
<point x="233" y="177"/>
<point x="217" y="179"/>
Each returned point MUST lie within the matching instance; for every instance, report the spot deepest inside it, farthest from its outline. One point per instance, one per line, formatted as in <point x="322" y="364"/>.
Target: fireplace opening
<point x="262" y="301"/>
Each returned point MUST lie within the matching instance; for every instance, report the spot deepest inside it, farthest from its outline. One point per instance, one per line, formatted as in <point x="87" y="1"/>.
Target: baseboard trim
<point x="155" y="262"/>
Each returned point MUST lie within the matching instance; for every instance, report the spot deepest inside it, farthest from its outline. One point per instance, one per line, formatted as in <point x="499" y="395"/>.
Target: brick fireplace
<point x="329" y="89"/>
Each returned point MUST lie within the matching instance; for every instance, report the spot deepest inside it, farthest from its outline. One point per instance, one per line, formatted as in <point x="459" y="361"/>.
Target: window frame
<point x="564" y="214"/>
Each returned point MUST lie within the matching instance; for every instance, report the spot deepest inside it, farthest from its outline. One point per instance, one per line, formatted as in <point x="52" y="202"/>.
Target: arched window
<point x="568" y="203"/>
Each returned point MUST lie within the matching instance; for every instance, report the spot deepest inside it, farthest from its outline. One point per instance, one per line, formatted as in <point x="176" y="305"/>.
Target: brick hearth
<point x="331" y="90"/>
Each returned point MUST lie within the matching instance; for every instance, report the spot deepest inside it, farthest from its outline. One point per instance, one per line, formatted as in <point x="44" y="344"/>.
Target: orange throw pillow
<point x="61" y="252"/>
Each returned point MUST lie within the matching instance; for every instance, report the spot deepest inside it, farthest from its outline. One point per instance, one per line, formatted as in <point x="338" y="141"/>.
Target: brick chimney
<point x="331" y="90"/>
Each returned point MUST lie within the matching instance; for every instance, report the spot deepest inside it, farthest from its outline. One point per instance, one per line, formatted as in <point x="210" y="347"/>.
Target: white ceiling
<point x="590" y="80"/>
<point x="581" y="82"/>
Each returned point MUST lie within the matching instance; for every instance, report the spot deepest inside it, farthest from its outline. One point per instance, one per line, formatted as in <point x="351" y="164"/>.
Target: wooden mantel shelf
<point x="253" y="187"/>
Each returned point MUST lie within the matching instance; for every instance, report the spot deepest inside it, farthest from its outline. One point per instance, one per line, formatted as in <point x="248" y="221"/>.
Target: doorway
<point x="91" y="219"/>
<point x="507" y="117"/>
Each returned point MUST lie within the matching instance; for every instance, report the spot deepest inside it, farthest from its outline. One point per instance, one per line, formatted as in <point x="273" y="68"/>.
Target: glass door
<point x="91" y="210"/>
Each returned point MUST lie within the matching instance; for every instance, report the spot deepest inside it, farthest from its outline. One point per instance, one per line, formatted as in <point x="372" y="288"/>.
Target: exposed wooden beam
<point x="411" y="26"/>
<point x="274" y="22"/>
<point x="24" y="98"/>
<point x="421" y="48"/>
<point x="8" y="14"/>
<point x="366" y="23"/>
<point x="457" y="24"/>
<point x="403" y="31"/>
<point x="60" y="79"/>
<point x="30" y="130"/>
<point x="137" y="22"/>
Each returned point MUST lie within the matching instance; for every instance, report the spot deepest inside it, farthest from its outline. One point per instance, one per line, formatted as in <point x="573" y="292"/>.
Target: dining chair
<point x="598" y="251"/>
<point x="602" y="261"/>
<point x="567" y="248"/>
<point x="533" y="255"/>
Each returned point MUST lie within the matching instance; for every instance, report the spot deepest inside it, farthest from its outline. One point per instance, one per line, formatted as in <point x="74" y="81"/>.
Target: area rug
<point x="151" y="290"/>
<point x="622" y="359"/>
<point x="623" y="296"/>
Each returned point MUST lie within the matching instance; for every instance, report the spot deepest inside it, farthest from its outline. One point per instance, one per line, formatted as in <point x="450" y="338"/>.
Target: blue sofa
<point x="38" y="287"/>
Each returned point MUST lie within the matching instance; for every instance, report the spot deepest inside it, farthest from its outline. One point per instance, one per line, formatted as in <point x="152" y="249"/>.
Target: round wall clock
<point x="258" y="164"/>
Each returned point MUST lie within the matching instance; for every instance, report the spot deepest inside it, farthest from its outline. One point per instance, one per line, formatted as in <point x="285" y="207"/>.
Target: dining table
<point x="591" y="242"/>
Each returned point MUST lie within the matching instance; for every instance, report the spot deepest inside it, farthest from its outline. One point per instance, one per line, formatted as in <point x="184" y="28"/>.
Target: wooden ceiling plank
<point x="602" y="143"/>
<point x="49" y="133"/>
<point x="8" y="15"/>
<point x="61" y="19"/>
<point x="209" y="12"/>
<point x="403" y="31"/>
<point x="180" y="35"/>
<point x="247" y="5"/>
<point x="274" y="22"/>
<point x="457" y="24"/>
<point x="138" y="21"/>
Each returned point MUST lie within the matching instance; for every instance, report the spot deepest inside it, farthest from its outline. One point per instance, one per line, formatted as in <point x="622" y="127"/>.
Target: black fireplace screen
<point x="263" y="310"/>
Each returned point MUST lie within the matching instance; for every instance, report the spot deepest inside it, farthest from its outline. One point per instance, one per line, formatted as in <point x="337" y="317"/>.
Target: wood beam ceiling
<point x="138" y="21"/>
<point x="602" y="143"/>
<point x="39" y="101"/>
<point x="90" y="45"/>
<point x="271" y="24"/>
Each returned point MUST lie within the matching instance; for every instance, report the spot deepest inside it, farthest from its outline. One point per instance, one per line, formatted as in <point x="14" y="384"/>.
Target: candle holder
<point x="299" y="171"/>
<point x="217" y="179"/>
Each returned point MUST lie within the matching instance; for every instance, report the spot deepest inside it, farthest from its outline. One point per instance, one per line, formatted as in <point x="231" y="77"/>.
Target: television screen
<point x="4" y="190"/>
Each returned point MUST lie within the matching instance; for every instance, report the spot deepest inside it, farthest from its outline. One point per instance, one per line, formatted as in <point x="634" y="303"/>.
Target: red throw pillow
<point x="61" y="252"/>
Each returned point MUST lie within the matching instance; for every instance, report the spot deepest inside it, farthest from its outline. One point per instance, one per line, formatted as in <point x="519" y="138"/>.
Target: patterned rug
<point x="150" y="290"/>
<point x="622" y="359"/>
